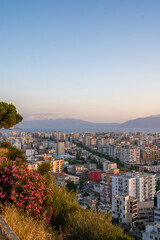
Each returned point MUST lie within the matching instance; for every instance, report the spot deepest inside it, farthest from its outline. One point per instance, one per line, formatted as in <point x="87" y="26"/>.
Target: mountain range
<point x="75" y="124"/>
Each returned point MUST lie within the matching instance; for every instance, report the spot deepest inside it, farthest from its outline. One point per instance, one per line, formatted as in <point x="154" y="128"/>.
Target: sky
<point x="95" y="60"/>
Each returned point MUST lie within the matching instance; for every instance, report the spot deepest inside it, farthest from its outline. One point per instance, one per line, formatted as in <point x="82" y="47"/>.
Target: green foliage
<point x="99" y="166"/>
<point x="85" y="194"/>
<point x="158" y="182"/>
<point x="78" y="155"/>
<point x="80" y="224"/>
<point x="146" y="170"/>
<point x="81" y="183"/>
<point x="71" y="186"/>
<point x="44" y="168"/>
<point x="73" y="162"/>
<point x="124" y="169"/>
<point x="12" y="152"/>
<point x="86" y="224"/>
<point x="158" y="185"/>
<point x="8" y="115"/>
<point x="134" y="167"/>
<point x="94" y="160"/>
<point x="66" y="205"/>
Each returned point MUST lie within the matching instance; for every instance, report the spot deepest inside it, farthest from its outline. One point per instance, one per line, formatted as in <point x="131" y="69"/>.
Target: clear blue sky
<point x="96" y="60"/>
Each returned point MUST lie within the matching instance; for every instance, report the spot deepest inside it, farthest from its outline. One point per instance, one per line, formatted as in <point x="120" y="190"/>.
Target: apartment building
<point x="107" y="165"/>
<point x="139" y="185"/>
<point x="57" y="165"/>
<point x="124" y="208"/>
<point x="123" y="184"/>
<point x="61" y="148"/>
<point x="145" y="210"/>
<point x="130" y="155"/>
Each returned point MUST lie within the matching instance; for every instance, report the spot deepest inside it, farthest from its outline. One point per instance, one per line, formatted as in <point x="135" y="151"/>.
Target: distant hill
<point x="146" y="122"/>
<point x="66" y="123"/>
<point x="76" y="124"/>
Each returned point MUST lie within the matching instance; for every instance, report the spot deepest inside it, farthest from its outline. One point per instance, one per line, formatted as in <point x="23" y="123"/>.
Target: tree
<point x="8" y="115"/>
<point x="44" y="168"/>
<point x="71" y="186"/>
<point x="78" y="155"/>
<point x="158" y="182"/>
<point x="85" y="194"/>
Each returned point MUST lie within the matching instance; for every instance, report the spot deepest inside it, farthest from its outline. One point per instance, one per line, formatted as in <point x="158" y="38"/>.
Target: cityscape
<point x="80" y="120"/>
<point x="114" y="172"/>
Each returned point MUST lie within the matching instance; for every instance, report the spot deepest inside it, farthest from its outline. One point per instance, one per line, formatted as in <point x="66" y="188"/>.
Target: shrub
<point x="26" y="189"/>
<point x="87" y="224"/>
<point x="66" y="205"/>
<point x="83" y="224"/>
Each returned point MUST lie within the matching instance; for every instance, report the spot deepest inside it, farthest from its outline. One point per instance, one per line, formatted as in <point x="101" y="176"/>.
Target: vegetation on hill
<point x="29" y="193"/>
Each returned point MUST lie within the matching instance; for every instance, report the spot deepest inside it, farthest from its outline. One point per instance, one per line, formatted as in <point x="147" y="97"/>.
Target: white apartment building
<point x="130" y="155"/>
<point x="146" y="186"/>
<point x="123" y="184"/>
<point x="139" y="185"/>
<point x="60" y="148"/>
<point x="124" y="208"/>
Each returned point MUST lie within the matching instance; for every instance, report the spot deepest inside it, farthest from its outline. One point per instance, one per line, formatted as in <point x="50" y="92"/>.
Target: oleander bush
<point x="26" y="189"/>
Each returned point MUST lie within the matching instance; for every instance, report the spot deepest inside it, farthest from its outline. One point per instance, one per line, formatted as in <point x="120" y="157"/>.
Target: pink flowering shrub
<point x="26" y="189"/>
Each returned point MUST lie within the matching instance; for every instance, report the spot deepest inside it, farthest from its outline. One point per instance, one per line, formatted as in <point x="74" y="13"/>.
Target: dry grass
<point x="3" y="152"/>
<point x="24" y="226"/>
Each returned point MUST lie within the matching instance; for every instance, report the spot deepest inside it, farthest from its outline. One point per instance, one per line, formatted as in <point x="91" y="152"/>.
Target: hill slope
<point x="146" y="122"/>
<point x="67" y="123"/>
<point x="76" y="124"/>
